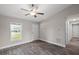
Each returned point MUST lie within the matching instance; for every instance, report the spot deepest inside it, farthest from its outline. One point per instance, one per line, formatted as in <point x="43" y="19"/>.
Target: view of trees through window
<point x="16" y="32"/>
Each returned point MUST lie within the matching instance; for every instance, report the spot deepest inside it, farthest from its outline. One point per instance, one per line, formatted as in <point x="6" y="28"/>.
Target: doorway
<point x="72" y="30"/>
<point x="72" y="35"/>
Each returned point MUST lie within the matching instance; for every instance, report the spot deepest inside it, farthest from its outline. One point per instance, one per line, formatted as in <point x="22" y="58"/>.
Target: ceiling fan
<point x="33" y="11"/>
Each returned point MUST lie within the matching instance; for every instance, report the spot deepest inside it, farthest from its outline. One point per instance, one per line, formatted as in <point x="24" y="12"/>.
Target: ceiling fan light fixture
<point x="33" y="13"/>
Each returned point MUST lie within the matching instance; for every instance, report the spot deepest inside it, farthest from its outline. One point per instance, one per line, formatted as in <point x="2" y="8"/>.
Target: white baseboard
<point x="28" y="42"/>
<point x="15" y="44"/>
<point x="54" y="43"/>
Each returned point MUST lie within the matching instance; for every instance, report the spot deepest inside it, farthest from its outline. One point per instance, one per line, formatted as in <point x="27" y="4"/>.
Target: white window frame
<point x="20" y="31"/>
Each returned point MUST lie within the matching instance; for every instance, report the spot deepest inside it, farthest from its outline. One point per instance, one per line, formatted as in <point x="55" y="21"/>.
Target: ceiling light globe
<point x="33" y="13"/>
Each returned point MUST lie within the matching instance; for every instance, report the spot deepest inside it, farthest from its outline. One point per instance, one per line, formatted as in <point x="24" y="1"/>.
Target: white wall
<point x="28" y="31"/>
<point x="53" y="30"/>
<point x="35" y="30"/>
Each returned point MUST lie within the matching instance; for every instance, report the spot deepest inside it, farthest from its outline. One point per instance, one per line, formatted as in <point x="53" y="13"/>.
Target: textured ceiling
<point x="13" y="10"/>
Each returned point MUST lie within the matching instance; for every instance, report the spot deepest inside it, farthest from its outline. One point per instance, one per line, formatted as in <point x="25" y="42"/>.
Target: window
<point x="16" y="32"/>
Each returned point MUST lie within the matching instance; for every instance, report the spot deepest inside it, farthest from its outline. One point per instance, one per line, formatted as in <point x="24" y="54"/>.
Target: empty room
<point x="39" y="29"/>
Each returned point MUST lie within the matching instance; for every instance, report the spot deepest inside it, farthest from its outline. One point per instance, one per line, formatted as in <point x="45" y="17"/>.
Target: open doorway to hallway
<point x="72" y="28"/>
<point x="75" y="34"/>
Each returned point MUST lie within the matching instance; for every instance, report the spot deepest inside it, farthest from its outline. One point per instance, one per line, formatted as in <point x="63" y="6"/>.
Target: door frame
<point x="74" y="19"/>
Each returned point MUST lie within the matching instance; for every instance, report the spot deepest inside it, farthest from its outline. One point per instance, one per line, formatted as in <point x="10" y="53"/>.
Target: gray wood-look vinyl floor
<point x="73" y="46"/>
<point x="36" y="48"/>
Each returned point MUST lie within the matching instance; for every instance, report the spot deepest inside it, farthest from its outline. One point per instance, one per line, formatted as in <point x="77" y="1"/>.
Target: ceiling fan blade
<point x="26" y="14"/>
<point x="41" y="13"/>
<point x="24" y="9"/>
